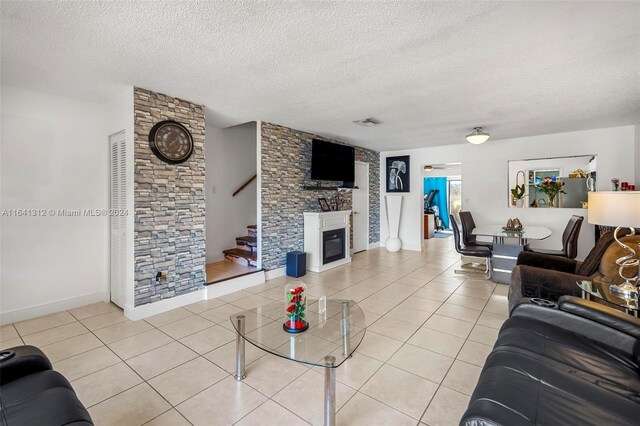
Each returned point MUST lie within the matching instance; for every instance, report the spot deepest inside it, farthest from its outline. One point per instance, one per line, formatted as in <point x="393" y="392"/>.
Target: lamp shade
<point x="615" y="208"/>
<point x="478" y="136"/>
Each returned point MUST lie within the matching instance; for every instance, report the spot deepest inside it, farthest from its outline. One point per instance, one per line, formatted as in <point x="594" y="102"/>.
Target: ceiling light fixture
<point x="478" y="136"/>
<point x="368" y="122"/>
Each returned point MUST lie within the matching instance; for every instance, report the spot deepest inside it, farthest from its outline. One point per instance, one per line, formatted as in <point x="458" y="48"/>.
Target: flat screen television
<point x="332" y="161"/>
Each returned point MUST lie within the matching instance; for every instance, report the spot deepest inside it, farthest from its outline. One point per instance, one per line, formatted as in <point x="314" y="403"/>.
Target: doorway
<point x="442" y="184"/>
<point x="360" y="207"/>
<point x="118" y="223"/>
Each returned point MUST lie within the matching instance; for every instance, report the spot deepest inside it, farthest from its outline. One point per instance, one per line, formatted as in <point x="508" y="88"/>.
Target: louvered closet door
<point x="118" y="222"/>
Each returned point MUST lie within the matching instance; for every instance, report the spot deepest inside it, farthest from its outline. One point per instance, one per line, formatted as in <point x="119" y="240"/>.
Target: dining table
<point x="507" y="245"/>
<point x="498" y="233"/>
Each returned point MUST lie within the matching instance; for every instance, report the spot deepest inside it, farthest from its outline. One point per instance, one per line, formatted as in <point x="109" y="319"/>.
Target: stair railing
<point x="244" y="185"/>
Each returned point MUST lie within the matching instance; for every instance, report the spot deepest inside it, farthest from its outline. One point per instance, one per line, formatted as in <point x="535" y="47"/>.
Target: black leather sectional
<point x="32" y="394"/>
<point x="574" y="364"/>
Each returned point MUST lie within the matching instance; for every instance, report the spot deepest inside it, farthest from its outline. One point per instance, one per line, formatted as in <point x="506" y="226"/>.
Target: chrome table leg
<point x="240" y="373"/>
<point x="329" y="391"/>
<point x="345" y="329"/>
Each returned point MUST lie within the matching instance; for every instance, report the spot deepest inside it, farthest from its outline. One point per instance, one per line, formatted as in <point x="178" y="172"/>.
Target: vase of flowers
<point x="295" y="307"/>
<point x="551" y="186"/>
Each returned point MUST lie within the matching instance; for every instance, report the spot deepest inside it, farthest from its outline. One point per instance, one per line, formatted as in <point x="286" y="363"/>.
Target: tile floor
<point x="224" y="269"/>
<point x="428" y="335"/>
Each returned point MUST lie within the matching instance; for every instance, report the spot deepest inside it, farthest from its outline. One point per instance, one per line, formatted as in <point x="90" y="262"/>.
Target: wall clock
<point x="171" y="142"/>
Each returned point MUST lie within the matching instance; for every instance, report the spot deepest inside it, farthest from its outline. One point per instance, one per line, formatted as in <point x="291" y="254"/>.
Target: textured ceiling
<point x="430" y="71"/>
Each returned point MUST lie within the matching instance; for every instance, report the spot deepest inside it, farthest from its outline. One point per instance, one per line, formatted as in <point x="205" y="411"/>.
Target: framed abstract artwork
<point x="398" y="176"/>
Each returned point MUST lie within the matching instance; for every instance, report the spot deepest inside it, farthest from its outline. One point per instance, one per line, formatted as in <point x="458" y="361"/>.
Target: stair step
<point x="240" y="253"/>
<point x="241" y="256"/>
<point x="247" y="241"/>
<point x="252" y="231"/>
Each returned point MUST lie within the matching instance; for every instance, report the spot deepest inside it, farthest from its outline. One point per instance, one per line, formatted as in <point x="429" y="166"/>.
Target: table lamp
<point x="620" y="209"/>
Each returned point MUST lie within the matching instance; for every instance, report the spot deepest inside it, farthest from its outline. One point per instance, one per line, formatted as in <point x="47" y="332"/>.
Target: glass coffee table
<point x="602" y="290"/>
<point x="336" y="328"/>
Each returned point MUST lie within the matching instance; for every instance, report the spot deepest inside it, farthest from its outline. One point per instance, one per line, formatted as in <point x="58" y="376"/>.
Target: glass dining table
<point x="499" y="234"/>
<point x="505" y="251"/>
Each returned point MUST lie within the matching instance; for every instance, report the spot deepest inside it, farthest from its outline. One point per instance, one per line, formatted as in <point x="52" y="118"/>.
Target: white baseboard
<point x="275" y="273"/>
<point x="412" y="247"/>
<point x="405" y="246"/>
<point x="51" y="308"/>
<point x="235" y="284"/>
<point x="218" y="258"/>
<point x="328" y="266"/>
<point x="374" y="245"/>
<point x="150" y="309"/>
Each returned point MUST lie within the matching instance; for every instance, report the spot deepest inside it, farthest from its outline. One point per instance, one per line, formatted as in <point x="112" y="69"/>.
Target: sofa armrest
<point x="27" y="360"/>
<point x="529" y="281"/>
<point x="545" y="261"/>
<point x="602" y="314"/>
<point x="580" y="325"/>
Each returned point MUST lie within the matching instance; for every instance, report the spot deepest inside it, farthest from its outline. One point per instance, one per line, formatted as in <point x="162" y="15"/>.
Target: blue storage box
<point x="296" y="264"/>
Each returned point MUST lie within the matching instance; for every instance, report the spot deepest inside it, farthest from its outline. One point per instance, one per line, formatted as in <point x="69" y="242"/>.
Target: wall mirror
<point x="562" y="182"/>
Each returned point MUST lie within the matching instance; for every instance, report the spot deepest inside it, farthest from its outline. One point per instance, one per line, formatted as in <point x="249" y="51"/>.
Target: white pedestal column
<point x="394" y="207"/>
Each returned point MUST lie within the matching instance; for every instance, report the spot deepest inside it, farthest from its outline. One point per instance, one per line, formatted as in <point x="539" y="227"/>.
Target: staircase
<point x="245" y="252"/>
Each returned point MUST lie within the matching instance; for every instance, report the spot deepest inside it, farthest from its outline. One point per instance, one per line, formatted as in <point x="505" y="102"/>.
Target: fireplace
<point x="326" y="239"/>
<point x="333" y="245"/>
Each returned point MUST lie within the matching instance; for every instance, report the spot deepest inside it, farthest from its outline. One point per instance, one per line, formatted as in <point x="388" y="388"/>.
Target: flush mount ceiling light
<point x="368" y="122"/>
<point x="478" y="136"/>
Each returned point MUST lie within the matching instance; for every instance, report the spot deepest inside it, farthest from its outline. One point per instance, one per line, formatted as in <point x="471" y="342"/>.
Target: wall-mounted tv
<point x="332" y="161"/>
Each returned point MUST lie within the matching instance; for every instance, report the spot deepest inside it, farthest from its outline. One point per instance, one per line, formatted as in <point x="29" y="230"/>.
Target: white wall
<point x="637" y="157"/>
<point x="230" y="156"/>
<point x="485" y="179"/>
<point x="54" y="156"/>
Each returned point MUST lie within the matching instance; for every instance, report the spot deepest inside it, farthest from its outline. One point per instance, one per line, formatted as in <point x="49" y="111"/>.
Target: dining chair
<point x="471" y="251"/>
<point x="569" y="240"/>
<point x="468" y="225"/>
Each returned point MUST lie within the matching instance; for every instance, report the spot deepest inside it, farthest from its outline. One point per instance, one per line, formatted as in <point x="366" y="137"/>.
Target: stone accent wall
<point x="169" y="203"/>
<point x="286" y="162"/>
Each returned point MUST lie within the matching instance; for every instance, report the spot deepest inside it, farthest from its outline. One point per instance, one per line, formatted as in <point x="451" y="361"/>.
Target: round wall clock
<point x="171" y="142"/>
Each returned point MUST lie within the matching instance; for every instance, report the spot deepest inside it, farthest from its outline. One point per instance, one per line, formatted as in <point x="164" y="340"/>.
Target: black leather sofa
<point x="574" y="364"/>
<point x="32" y="394"/>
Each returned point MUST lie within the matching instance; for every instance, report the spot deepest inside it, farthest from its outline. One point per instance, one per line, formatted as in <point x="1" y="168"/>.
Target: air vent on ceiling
<point x="368" y="122"/>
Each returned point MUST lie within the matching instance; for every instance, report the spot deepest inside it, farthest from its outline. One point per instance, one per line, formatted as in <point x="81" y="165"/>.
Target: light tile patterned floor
<point x="429" y="334"/>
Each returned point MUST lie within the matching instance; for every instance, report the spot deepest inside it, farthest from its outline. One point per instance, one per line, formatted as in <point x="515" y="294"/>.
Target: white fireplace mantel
<point x="315" y="224"/>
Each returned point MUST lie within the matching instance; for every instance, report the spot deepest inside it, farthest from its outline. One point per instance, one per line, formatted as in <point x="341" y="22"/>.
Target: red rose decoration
<point x="291" y="308"/>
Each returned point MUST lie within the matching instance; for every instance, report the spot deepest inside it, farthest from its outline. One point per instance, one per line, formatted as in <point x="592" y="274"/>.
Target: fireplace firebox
<point x="333" y="245"/>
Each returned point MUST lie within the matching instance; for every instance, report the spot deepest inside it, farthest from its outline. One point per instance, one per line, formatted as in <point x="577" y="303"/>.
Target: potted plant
<point x="517" y="195"/>
<point x="551" y="186"/>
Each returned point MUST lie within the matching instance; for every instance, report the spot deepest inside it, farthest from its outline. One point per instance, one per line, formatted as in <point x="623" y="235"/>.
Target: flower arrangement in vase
<point x="295" y="308"/>
<point x="551" y="186"/>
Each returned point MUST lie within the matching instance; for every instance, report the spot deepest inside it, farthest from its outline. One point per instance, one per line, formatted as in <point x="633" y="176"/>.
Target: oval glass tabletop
<point x="528" y="232"/>
<point x="336" y="331"/>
